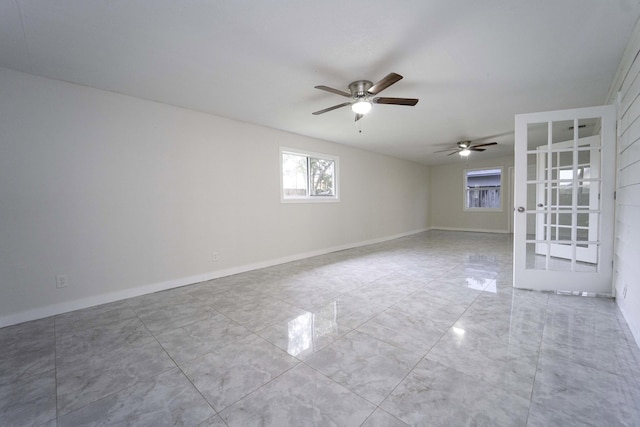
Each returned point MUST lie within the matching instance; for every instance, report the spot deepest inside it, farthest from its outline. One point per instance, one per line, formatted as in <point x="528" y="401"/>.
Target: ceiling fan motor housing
<point x="359" y="88"/>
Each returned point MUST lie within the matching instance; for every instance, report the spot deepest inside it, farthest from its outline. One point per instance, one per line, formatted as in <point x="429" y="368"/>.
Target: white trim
<point x="309" y="199"/>
<point x="55" y="309"/>
<point x="510" y="205"/>
<point x="472" y="230"/>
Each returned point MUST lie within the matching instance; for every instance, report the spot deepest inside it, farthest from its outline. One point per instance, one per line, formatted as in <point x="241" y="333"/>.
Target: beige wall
<point x="447" y="197"/>
<point x="127" y="196"/>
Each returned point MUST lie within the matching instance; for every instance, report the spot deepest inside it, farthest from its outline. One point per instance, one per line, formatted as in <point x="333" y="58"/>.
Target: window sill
<point x="311" y="200"/>
<point x="487" y="210"/>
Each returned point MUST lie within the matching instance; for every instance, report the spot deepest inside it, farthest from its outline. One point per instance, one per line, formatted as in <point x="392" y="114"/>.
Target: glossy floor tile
<point x="366" y="365"/>
<point x="230" y="373"/>
<point x="436" y="395"/>
<point x="426" y="330"/>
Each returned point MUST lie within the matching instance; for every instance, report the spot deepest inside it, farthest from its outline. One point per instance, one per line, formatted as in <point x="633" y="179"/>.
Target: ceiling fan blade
<point x="335" y="107"/>
<point x="455" y="152"/>
<point x="332" y="90"/>
<point x="476" y="149"/>
<point x="486" y="144"/>
<point x="448" y="149"/>
<point x="386" y="81"/>
<point x="359" y="116"/>
<point x="396" y="101"/>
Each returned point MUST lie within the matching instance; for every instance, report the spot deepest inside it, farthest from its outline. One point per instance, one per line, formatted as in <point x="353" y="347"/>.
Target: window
<point x="308" y="177"/>
<point x="482" y="189"/>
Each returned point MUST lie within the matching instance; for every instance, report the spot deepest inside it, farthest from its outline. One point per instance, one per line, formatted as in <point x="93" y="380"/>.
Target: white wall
<point x="447" y="197"/>
<point x="626" y="89"/>
<point x="128" y="196"/>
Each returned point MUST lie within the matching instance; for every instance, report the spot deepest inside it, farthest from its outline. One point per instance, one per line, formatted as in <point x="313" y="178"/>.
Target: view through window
<point x="308" y="176"/>
<point x="482" y="188"/>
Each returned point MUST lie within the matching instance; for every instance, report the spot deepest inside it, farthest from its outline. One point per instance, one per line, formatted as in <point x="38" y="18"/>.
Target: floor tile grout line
<point x="345" y="387"/>
<point x="429" y="350"/>
<point x="533" y="384"/>
<point x="568" y="361"/>
<point x="132" y="385"/>
<point x="390" y="414"/>
<point x="175" y="363"/>
<point x="242" y="397"/>
<point x="259" y="387"/>
<point x="424" y="357"/>
<point x="304" y="362"/>
<point x="582" y="363"/>
<point x="377" y="406"/>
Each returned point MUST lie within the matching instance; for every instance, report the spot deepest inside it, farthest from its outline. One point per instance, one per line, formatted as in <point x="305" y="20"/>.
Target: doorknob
<point x="520" y="209"/>
<point x="540" y="205"/>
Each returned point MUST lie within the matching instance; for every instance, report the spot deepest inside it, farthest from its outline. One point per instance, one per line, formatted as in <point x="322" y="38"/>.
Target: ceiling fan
<point x="362" y="94"/>
<point x="464" y="148"/>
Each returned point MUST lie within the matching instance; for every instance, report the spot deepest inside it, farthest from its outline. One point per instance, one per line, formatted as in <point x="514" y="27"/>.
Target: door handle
<point x="520" y="209"/>
<point x="540" y="205"/>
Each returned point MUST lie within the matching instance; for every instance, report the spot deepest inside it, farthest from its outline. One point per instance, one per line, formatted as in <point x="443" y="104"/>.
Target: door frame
<point x="600" y="281"/>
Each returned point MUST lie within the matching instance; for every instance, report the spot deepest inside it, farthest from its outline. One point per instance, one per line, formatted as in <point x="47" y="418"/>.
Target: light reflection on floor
<point x="306" y="329"/>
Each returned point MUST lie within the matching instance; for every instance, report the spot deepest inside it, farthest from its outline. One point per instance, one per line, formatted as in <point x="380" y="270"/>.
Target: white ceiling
<point x="473" y="64"/>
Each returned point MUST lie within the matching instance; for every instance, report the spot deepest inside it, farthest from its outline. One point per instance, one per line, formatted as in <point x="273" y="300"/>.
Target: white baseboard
<point x="629" y="318"/>
<point x="473" y="230"/>
<point x="67" y="306"/>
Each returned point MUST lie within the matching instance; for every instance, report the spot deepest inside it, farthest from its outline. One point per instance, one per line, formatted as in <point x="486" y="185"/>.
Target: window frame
<point x="464" y="190"/>
<point x="309" y="198"/>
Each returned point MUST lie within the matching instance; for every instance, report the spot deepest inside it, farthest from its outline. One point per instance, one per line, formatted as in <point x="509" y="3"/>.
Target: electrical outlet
<point x="62" y="281"/>
<point x="215" y="257"/>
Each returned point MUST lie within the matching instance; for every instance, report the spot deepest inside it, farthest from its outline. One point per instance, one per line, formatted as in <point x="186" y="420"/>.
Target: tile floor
<point x="423" y="330"/>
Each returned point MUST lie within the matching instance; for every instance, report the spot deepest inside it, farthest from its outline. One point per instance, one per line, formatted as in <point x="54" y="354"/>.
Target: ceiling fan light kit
<point x="361" y="107"/>
<point x="361" y="93"/>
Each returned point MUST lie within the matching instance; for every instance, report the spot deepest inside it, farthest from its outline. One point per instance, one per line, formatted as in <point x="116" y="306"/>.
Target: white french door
<point x="557" y="226"/>
<point x="564" y="200"/>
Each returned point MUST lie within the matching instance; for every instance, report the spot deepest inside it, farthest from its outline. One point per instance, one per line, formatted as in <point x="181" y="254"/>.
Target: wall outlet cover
<point x="62" y="281"/>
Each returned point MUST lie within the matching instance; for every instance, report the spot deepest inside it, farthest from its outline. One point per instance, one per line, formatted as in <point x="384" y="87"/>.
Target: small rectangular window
<point x="308" y="176"/>
<point x="483" y="189"/>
